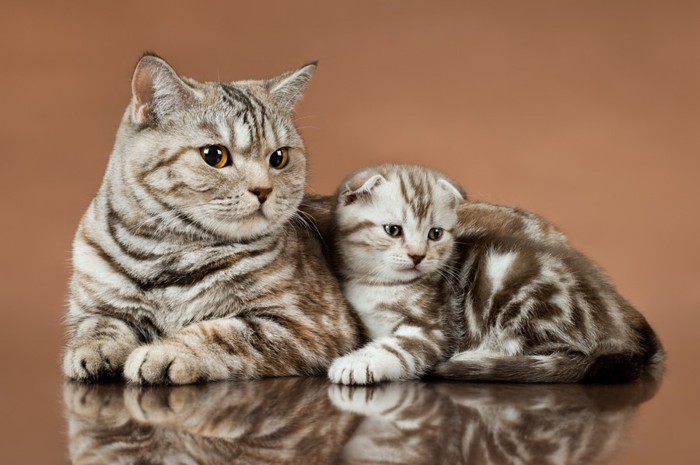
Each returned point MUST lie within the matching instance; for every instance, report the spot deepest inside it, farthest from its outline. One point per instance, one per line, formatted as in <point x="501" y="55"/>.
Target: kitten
<point x="187" y="265"/>
<point x="394" y="237"/>
<point x="497" y="291"/>
<point x="479" y="423"/>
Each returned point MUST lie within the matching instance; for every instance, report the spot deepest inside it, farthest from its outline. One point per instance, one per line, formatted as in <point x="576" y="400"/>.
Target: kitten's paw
<point x="370" y="401"/>
<point x="162" y="364"/>
<point x="350" y="399"/>
<point x="365" y="367"/>
<point x="94" y="360"/>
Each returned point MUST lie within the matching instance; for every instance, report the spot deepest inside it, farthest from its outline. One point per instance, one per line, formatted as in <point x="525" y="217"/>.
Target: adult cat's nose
<point x="416" y="258"/>
<point x="261" y="193"/>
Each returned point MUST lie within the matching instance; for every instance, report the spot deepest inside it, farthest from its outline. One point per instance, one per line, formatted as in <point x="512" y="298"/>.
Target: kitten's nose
<point x="416" y="258"/>
<point x="261" y="193"/>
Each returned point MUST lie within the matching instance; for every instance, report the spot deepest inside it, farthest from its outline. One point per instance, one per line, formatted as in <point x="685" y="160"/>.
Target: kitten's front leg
<point x="242" y="347"/>
<point x="98" y="348"/>
<point x="405" y="355"/>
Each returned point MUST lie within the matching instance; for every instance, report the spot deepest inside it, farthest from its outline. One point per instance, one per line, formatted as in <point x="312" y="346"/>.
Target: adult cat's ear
<point x="360" y="186"/>
<point x="453" y="189"/>
<point x="158" y="91"/>
<point x="287" y="88"/>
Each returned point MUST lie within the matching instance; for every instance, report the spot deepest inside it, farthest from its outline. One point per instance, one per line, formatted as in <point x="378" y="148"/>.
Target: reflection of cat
<point x="292" y="420"/>
<point x="472" y="424"/>
<point x="276" y="421"/>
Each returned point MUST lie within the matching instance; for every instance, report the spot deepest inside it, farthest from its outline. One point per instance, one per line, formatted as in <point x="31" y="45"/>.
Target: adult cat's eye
<point x="435" y="234"/>
<point x="216" y="156"/>
<point x="279" y="158"/>
<point x="394" y="230"/>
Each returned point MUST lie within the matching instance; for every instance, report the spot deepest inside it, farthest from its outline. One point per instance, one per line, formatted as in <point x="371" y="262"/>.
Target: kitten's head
<point x="218" y="158"/>
<point x="396" y="222"/>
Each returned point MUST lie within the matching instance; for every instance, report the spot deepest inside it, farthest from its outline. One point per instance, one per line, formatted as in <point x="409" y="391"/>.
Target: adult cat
<point x="187" y="266"/>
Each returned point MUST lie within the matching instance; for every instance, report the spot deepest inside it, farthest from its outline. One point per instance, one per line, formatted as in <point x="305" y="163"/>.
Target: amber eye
<point x="435" y="234"/>
<point x="279" y="158"/>
<point x="215" y="155"/>
<point x="394" y="230"/>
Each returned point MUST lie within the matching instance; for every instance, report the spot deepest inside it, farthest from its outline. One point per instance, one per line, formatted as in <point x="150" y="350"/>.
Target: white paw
<point x="365" y="367"/>
<point x="372" y="401"/>
<point x="94" y="360"/>
<point x="163" y="364"/>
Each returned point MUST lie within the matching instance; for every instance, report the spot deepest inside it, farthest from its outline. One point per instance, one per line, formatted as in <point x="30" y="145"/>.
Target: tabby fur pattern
<point x="186" y="272"/>
<point x="501" y="295"/>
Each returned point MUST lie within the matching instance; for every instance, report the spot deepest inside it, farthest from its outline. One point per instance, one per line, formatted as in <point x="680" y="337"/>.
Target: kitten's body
<point x="185" y="271"/>
<point x="536" y="310"/>
<point x="511" y="301"/>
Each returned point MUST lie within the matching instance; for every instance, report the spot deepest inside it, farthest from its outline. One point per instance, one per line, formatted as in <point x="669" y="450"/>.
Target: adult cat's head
<point x="396" y="222"/>
<point x="218" y="159"/>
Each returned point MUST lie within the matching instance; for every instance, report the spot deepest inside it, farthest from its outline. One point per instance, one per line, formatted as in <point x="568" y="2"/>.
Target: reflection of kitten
<point x="499" y="290"/>
<point x="413" y="423"/>
<point x="271" y="421"/>
<point x="187" y="265"/>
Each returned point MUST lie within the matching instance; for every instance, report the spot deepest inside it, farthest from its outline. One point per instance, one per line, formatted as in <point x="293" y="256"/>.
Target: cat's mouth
<point x="409" y="269"/>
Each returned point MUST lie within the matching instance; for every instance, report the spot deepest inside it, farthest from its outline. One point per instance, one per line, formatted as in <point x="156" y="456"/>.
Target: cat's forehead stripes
<point x="416" y="192"/>
<point x="252" y="123"/>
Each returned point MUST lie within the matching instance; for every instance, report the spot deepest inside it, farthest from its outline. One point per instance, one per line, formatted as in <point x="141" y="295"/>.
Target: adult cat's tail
<point x="557" y="368"/>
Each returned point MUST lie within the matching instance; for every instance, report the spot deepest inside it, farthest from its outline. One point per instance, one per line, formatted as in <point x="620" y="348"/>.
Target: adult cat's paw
<point x="365" y="367"/>
<point x="93" y="360"/>
<point x="102" y="404"/>
<point x="163" y="364"/>
<point x="164" y="405"/>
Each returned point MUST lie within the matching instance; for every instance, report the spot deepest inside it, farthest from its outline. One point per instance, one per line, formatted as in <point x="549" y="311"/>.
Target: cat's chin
<point x="245" y="228"/>
<point x="406" y="274"/>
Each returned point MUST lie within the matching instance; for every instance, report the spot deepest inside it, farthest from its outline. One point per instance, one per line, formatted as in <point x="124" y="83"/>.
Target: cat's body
<point x="188" y="264"/>
<point x="506" y="299"/>
<point x="536" y="310"/>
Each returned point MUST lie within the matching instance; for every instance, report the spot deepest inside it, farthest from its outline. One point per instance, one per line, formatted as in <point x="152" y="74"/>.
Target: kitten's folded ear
<point x="158" y="91"/>
<point x="453" y="189"/>
<point x="360" y="185"/>
<point x="287" y="88"/>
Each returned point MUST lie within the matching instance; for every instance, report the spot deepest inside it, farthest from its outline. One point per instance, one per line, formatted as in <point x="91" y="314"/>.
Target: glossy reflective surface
<point x="296" y="420"/>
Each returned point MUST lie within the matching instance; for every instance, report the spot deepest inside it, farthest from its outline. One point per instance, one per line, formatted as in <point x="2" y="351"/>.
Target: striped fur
<point x="270" y="421"/>
<point x="180" y="273"/>
<point x="473" y="423"/>
<point x="306" y="420"/>
<point x="507" y="299"/>
<point x="406" y="308"/>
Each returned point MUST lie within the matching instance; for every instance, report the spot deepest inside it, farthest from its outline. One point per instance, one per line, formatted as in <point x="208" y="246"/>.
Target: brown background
<point x="584" y="111"/>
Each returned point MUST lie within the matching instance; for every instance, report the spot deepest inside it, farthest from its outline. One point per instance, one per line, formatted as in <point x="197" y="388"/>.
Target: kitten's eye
<point x="279" y="158"/>
<point x="435" y="234"/>
<point x="393" y="230"/>
<point x="215" y="155"/>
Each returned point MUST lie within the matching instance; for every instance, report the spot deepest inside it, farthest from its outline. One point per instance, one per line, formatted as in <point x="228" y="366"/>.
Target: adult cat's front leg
<point x="98" y="348"/>
<point x="242" y="347"/>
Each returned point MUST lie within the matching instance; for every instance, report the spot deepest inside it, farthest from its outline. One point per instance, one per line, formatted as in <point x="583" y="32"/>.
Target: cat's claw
<point x="162" y="364"/>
